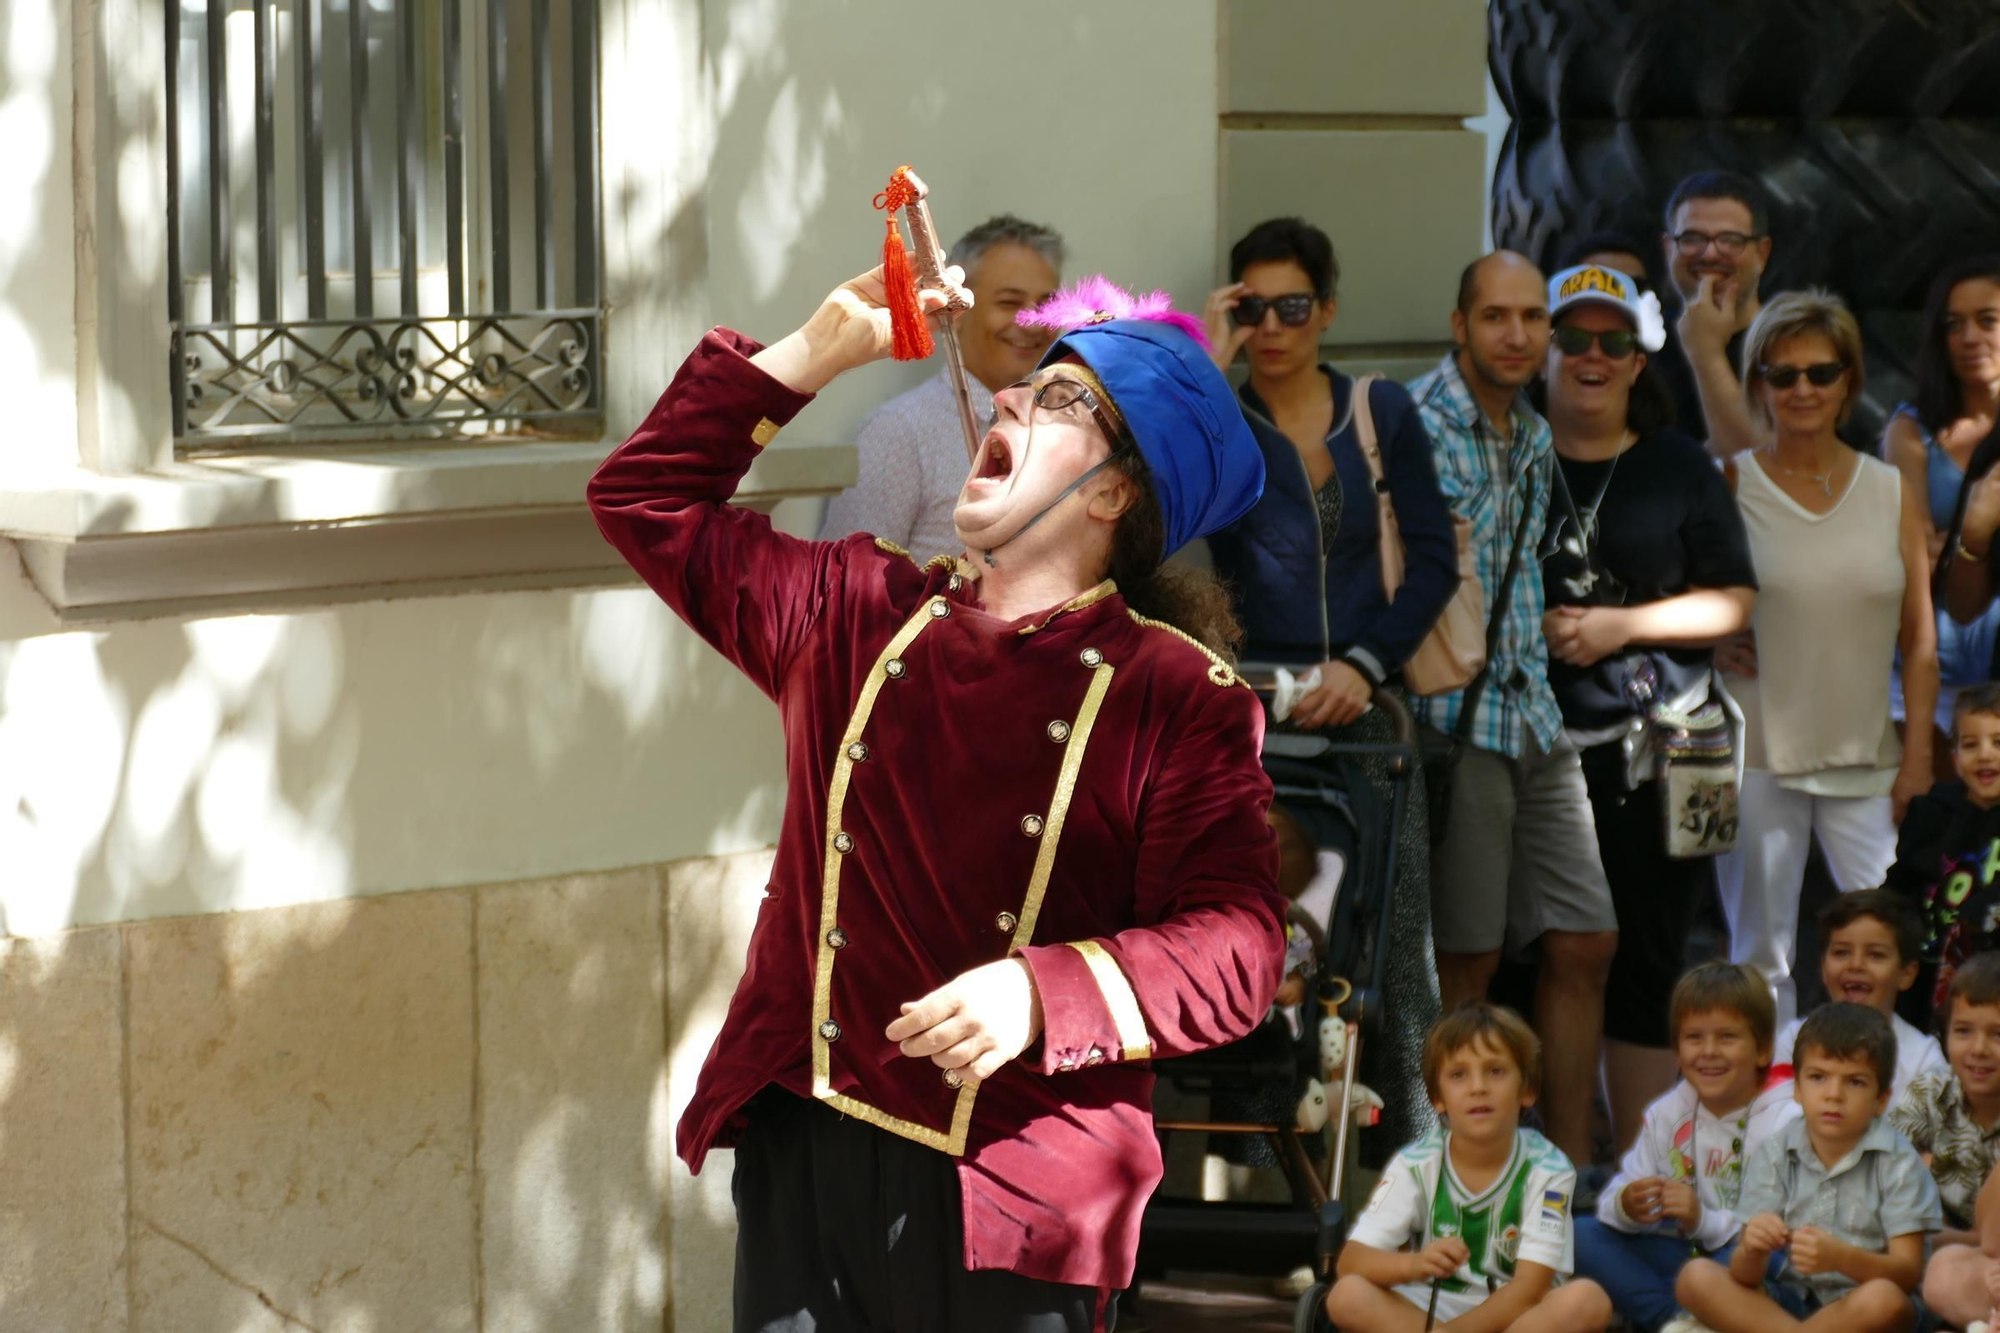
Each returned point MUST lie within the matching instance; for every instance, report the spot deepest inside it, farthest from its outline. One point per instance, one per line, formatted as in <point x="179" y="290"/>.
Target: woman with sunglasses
<point x="1646" y="566"/>
<point x="1838" y="539"/>
<point x="1024" y="848"/>
<point x="1307" y="576"/>
<point x="1932" y="440"/>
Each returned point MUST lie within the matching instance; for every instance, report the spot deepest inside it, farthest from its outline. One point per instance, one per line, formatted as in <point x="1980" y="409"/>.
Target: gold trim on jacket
<point x="838" y="843"/>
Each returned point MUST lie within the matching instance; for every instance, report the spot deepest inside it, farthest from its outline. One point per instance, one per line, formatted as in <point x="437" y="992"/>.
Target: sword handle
<point x="930" y="273"/>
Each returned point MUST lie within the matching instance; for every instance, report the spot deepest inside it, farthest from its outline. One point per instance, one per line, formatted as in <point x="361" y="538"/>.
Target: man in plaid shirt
<point x="1518" y="866"/>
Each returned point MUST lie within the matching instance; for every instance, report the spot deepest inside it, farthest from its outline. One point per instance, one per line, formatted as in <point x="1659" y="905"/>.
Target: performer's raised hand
<point x="974" y="1023"/>
<point x="850" y="328"/>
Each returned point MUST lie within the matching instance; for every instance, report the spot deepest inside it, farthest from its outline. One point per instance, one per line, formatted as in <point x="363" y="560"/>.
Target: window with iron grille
<point x="383" y="219"/>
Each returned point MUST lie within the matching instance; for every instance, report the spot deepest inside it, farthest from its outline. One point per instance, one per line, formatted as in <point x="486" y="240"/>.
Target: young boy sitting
<point x="1954" y="1121"/>
<point x="1676" y="1190"/>
<point x="1835" y="1205"/>
<point x="1472" y="1220"/>
<point x="1948" y="853"/>
<point x="1869" y="943"/>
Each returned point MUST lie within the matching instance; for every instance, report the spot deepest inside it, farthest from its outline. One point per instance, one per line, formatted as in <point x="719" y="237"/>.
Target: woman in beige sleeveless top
<point x="1844" y="580"/>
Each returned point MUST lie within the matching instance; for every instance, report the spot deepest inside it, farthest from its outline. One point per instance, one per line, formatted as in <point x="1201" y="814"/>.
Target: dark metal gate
<point x="373" y="285"/>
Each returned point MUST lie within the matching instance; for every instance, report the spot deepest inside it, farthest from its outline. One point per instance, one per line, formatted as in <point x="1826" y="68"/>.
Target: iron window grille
<point x="373" y="285"/>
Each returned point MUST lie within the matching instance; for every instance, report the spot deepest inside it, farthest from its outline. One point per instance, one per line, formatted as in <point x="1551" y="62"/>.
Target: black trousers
<point x="1654" y="895"/>
<point x="846" y="1228"/>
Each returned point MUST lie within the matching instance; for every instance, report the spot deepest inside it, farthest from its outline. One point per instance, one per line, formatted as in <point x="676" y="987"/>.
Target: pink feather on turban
<point x="1098" y="300"/>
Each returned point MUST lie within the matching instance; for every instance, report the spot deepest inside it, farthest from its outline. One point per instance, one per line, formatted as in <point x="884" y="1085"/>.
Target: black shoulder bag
<point x="1441" y="752"/>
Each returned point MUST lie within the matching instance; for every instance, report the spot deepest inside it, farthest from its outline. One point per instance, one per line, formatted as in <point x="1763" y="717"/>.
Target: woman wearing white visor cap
<point x="1645" y="565"/>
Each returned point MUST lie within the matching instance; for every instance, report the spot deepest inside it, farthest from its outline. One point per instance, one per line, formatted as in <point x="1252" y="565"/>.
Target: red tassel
<point x="910" y="331"/>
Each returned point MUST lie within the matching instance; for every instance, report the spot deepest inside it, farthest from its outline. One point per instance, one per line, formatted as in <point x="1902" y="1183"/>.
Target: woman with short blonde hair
<point x="1789" y="315"/>
<point x="1844" y="579"/>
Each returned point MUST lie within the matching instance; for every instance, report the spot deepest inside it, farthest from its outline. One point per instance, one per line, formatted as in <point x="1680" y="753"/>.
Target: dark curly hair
<point x="1193" y="601"/>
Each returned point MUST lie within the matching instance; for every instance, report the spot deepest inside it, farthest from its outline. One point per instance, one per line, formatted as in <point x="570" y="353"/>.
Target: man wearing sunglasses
<point x="1717" y="247"/>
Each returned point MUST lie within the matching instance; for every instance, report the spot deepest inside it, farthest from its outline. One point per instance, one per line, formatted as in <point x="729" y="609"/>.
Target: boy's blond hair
<point x="1477" y="1022"/>
<point x="1719" y="987"/>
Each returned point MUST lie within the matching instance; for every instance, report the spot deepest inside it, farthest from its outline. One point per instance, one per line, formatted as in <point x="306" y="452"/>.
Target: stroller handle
<point x="1399" y="713"/>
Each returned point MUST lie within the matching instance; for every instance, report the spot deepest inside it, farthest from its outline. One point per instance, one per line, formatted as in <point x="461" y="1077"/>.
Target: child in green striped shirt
<point x="1472" y="1221"/>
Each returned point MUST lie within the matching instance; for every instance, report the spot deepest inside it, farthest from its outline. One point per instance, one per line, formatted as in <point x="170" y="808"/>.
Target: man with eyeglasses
<point x="1024" y="850"/>
<point x="912" y="450"/>
<point x="1717" y="248"/>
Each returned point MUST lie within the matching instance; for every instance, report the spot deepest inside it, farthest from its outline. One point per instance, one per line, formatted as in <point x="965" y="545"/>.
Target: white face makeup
<point x="1029" y="455"/>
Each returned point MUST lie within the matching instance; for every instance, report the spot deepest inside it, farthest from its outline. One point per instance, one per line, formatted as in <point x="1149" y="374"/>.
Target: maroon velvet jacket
<point x="1080" y="787"/>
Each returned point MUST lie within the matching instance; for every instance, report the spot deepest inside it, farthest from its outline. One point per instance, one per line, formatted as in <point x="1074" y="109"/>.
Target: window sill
<point x="331" y="524"/>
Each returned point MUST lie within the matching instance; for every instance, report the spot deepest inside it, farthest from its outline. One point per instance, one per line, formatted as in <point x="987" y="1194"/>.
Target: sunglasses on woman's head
<point x="1293" y="310"/>
<point x="1820" y="374"/>
<point x="1574" y="340"/>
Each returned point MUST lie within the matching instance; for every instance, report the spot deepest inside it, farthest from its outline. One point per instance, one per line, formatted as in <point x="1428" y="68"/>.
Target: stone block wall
<point x="421" y="1113"/>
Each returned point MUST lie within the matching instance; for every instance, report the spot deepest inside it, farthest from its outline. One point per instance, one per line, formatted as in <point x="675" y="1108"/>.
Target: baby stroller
<point x="1313" y="1072"/>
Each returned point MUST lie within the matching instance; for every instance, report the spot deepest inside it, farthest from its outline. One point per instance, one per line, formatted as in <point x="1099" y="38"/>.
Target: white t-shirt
<point x="1682" y="1140"/>
<point x="1916" y="1053"/>
<point x="1523" y="1215"/>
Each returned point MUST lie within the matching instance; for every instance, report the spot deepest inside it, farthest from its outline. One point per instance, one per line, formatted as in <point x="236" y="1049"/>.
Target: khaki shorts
<point x="1519" y="858"/>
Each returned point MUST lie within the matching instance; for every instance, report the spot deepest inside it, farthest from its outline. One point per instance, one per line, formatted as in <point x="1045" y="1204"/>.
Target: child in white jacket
<point x="1675" y="1192"/>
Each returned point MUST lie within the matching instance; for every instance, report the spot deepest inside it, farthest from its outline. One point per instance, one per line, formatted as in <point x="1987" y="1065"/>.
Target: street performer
<point x="1024" y="850"/>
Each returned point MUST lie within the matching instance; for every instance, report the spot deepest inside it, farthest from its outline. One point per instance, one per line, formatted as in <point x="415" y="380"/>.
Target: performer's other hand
<point x="1225" y="336"/>
<point x="850" y="329"/>
<point x="975" y="1022"/>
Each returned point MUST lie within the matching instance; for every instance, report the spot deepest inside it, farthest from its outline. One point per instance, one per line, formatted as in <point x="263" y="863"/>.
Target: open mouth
<point x="996" y="463"/>
<point x="1593" y="380"/>
<point x="1980" y="1073"/>
<point x="1986" y="777"/>
<point x="1712" y="1071"/>
<point x="1857" y="992"/>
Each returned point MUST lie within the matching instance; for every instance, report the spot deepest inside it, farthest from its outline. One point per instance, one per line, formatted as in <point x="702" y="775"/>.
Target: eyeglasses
<point x="1293" y="309"/>
<point x="1729" y="243"/>
<point x="1820" y="374"/>
<point x="1575" y="340"/>
<point x="1060" y="394"/>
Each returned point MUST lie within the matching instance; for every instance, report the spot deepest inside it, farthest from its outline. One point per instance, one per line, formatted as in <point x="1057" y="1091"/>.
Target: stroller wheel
<point x="1310" y="1316"/>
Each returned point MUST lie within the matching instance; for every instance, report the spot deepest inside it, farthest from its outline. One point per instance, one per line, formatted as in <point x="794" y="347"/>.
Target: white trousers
<point x="1762" y="880"/>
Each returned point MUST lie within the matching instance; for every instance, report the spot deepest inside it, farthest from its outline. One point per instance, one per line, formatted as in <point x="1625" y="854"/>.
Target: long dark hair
<point x="1937" y="399"/>
<point x="1193" y="601"/>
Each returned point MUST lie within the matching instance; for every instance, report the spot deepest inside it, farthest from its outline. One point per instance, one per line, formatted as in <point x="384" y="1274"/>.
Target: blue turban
<point x="1207" y="469"/>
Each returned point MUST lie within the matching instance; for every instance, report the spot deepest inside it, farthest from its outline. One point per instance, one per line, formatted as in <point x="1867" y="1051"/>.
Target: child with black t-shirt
<point x="1948" y="854"/>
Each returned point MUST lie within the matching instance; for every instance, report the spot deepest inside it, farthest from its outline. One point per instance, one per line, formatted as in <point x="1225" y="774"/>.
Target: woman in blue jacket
<point x="1306" y="573"/>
